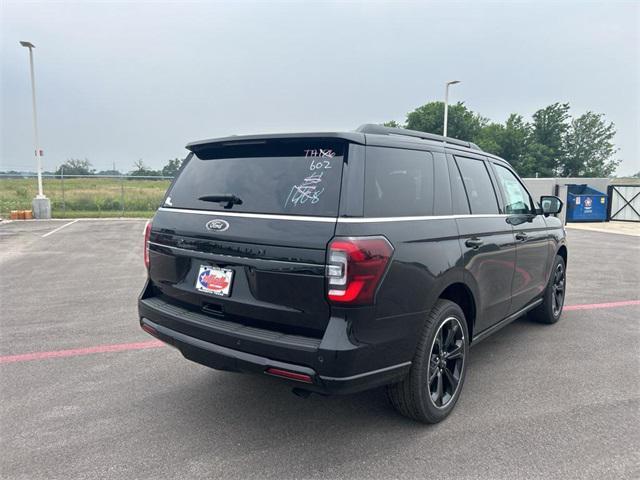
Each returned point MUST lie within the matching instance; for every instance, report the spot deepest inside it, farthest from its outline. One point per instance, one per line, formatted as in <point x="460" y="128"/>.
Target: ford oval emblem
<point x="217" y="225"/>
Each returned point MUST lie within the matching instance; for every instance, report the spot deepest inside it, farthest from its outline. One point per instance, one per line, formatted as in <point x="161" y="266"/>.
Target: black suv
<point x="341" y="262"/>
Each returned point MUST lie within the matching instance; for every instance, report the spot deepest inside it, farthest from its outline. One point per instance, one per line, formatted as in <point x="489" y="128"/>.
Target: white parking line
<point x="59" y="228"/>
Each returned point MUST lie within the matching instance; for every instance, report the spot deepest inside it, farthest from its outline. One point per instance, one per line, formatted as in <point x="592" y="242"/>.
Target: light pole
<point x="41" y="204"/>
<point x="446" y="104"/>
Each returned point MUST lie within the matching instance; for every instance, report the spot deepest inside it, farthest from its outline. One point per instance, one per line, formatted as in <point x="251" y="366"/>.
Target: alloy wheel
<point x="446" y="362"/>
<point x="557" y="290"/>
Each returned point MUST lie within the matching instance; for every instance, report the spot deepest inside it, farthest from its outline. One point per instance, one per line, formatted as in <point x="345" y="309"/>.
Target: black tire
<point x="413" y="396"/>
<point x="550" y="310"/>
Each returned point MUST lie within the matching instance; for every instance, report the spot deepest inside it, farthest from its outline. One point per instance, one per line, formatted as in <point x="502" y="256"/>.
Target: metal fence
<point x="85" y="195"/>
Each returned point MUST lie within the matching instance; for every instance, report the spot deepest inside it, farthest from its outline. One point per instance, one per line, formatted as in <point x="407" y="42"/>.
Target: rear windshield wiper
<point x="225" y="198"/>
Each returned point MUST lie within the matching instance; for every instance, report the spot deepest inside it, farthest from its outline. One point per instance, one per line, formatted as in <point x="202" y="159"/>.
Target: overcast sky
<point x="120" y="81"/>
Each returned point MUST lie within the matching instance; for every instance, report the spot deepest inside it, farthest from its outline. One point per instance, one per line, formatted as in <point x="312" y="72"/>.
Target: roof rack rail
<point x="382" y="130"/>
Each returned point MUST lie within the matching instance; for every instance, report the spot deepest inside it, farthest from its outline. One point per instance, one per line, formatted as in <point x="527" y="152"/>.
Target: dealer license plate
<point x="214" y="280"/>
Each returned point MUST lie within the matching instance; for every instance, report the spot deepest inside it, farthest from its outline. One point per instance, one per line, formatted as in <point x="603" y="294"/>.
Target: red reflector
<point x="149" y="330"/>
<point x="301" y="377"/>
<point x="147" y="234"/>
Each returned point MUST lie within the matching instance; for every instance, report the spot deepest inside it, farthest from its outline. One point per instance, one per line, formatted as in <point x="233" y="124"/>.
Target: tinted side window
<point x="482" y="197"/>
<point x="517" y="200"/>
<point x="441" y="185"/>
<point x="398" y="182"/>
<point x="460" y="204"/>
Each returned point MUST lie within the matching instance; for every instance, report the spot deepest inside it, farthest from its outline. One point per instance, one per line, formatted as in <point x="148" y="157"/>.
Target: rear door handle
<point x="474" y="242"/>
<point x="522" y="236"/>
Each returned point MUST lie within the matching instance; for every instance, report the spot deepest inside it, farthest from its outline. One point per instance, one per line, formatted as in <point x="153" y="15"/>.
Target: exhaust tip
<point x="301" y="392"/>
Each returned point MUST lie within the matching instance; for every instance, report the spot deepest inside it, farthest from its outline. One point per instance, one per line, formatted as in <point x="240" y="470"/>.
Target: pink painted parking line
<point x="126" y="347"/>
<point x="75" y="352"/>
<point x="595" y="306"/>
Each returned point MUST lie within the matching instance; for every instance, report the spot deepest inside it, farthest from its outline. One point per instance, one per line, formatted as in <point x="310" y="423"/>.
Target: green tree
<point x="515" y="141"/>
<point x="589" y="148"/>
<point x="490" y="138"/>
<point x="510" y="141"/>
<point x="537" y="161"/>
<point x="463" y="123"/>
<point x="551" y="144"/>
<point x="549" y="127"/>
<point x="141" y="170"/>
<point x="392" y="124"/>
<point x="172" y="167"/>
<point x="75" y="166"/>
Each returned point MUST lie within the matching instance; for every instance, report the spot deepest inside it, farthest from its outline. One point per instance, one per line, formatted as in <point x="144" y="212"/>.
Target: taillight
<point x="355" y="266"/>
<point x="147" y="234"/>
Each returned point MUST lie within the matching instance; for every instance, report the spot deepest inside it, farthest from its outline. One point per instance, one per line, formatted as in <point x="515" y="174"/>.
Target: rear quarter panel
<point x="426" y="259"/>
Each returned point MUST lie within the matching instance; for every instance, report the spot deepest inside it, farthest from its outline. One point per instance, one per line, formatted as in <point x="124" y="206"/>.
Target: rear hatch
<point x="243" y="231"/>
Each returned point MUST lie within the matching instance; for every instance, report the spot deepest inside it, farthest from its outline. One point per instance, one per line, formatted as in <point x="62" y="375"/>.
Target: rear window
<point x="276" y="177"/>
<point x="398" y="182"/>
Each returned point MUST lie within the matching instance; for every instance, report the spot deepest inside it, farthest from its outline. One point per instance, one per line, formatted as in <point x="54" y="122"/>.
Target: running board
<point x="503" y="323"/>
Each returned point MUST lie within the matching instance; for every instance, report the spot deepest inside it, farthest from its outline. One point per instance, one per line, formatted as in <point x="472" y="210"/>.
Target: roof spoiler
<point x="236" y="140"/>
<point x="382" y="130"/>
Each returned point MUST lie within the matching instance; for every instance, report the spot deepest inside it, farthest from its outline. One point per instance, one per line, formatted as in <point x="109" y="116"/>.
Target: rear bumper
<point x="334" y="364"/>
<point x="223" y="358"/>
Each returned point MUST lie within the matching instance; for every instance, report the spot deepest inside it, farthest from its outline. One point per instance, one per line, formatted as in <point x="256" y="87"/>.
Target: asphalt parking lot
<point x="86" y="394"/>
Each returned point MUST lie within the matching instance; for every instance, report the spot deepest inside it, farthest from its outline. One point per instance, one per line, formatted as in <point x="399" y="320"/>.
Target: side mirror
<point x="550" y="204"/>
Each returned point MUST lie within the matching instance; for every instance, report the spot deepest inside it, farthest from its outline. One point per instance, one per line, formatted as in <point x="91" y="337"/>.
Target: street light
<point x="41" y="204"/>
<point x="446" y="104"/>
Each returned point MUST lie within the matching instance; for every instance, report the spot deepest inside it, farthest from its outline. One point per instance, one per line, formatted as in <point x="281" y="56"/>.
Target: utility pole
<point x="446" y="104"/>
<point x="41" y="204"/>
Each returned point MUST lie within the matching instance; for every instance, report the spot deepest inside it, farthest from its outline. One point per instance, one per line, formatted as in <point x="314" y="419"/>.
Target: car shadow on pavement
<point x="245" y="414"/>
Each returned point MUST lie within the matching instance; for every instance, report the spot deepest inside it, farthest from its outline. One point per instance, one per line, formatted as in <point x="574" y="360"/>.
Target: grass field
<point x="85" y="197"/>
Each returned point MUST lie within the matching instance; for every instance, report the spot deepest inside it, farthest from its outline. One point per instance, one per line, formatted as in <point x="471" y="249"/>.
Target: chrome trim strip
<point x="407" y="219"/>
<point x="366" y="374"/>
<point x="504" y="322"/>
<point x="265" y="216"/>
<point x="301" y="218"/>
<point x="236" y="257"/>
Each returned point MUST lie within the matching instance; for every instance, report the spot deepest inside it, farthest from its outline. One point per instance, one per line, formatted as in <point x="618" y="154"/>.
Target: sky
<point x="121" y="81"/>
